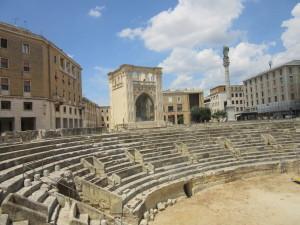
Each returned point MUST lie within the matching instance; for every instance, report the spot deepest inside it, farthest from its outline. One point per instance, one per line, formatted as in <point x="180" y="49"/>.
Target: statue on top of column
<point x="225" y="56"/>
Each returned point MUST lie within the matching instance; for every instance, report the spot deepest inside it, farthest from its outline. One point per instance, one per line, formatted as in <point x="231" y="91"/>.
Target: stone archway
<point x="144" y="108"/>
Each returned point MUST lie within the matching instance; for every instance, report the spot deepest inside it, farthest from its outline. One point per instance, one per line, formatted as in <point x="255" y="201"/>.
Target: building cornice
<point x="129" y="68"/>
<point x="290" y="63"/>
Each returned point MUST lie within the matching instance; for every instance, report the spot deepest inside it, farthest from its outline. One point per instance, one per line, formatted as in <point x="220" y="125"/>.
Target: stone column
<point x="229" y="108"/>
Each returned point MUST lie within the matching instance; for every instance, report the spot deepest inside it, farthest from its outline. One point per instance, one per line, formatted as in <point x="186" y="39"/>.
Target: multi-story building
<point x="91" y="113"/>
<point x="216" y="101"/>
<point x="95" y="115"/>
<point x="275" y="92"/>
<point x="104" y="116"/>
<point x="178" y="104"/>
<point x="40" y="86"/>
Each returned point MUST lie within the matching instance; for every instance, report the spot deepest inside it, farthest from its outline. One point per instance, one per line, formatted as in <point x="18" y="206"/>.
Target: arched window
<point x="144" y="108"/>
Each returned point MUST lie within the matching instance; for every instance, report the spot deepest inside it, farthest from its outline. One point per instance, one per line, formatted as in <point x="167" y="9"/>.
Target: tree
<point x="200" y="114"/>
<point x="220" y="114"/>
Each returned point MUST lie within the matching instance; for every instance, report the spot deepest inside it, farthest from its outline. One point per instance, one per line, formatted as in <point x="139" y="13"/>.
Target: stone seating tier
<point x="204" y="152"/>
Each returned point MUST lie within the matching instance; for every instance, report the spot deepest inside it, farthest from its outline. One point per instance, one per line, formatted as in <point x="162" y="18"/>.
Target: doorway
<point x="27" y="123"/>
<point x="188" y="189"/>
<point x="6" y="124"/>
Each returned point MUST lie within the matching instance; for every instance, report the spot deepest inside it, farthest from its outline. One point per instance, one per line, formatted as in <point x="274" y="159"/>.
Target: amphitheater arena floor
<point x="266" y="200"/>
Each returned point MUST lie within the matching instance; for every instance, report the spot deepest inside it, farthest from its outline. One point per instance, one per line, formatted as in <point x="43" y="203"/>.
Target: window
<point x="68" y="67"/>
<point x="241" y="101"/>
<point x="4" y="84"/>
<point x="275" y="98"/>
<point x="57" y="108"/>
<point x="293" y="96"/>
<point x="62" y="63"/>
<point x="179" y="107"/>
<point x="5" y="105"/>
<point x="241" y="108"/>
<point x="263" y="101"/>
<point x="232" y="102"/>
<point x="241" y="94"/>
<point x="65" y="109"/>
<point x="27" y="106"/>
<point x="232" y="95"/>
<point x="26" y="67"/>
<point x="25" y="48"/>
<point x="236" y="102"/>
<point x="3" y="63"/>
<point x="3" y="43"/>
<point x="70" y="110"/>
<point x="54" y="59"/>
<point x="280" y="72"/>
<point x="178" y="99"/>
<point x="269" y="99"/>
<point x="27" y="86"/>
<point x="170" y="108"/>
<point x="262" y="94"/>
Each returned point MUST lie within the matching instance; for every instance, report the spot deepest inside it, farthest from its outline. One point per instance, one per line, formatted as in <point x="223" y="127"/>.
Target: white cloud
<point x="131" y="33"/>
<point x="191" y="23"/>
<point x="194" y="29"/>
<point x="290" y="38"/>
<point x="204" y="69"/>
<point x="96" y="12"/>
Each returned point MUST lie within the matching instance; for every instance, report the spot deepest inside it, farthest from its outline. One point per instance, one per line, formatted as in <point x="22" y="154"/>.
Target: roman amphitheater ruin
<point x="133" y="176"/>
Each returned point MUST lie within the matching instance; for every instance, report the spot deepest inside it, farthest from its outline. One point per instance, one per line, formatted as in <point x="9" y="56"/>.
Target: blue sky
<point x="185" y="37"/>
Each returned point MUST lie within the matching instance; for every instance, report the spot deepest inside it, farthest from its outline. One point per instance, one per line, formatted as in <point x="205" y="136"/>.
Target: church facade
<point x="136" y="97"/>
